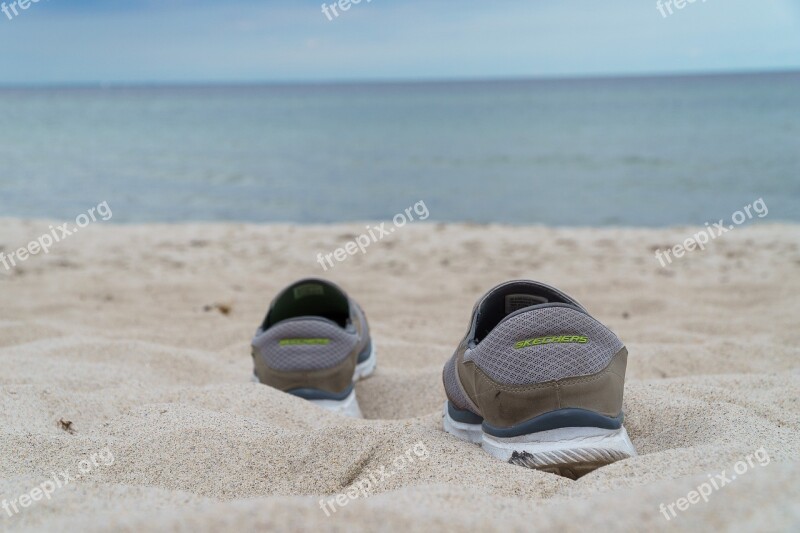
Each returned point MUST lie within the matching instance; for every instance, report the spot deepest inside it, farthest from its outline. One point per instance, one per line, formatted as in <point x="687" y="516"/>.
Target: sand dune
<point x="113" y="342"/>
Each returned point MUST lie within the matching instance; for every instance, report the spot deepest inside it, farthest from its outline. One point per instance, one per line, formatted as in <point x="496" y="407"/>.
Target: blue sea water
<point x="639" y="151"/>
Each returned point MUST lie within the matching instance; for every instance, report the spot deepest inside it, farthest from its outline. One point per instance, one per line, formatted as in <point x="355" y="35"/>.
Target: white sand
<point x="109" y="332"/>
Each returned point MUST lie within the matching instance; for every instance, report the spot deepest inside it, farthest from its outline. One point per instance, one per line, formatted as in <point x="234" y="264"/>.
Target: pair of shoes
<point x="536" y="380"/>
<point x="314" y="343"/>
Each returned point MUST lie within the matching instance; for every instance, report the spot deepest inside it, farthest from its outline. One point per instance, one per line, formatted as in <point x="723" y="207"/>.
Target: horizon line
<point x="398" y="81"/>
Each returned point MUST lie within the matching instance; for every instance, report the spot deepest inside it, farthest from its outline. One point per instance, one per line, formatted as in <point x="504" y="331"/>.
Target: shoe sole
<point x="349" y="406"/>
<point x="571" y="452"/>
<point x="468" y="432"/>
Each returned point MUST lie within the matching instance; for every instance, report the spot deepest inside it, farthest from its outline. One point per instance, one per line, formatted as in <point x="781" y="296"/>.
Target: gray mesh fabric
<point x="451" y="387"/>
<point x="304" y="357"/>
<point x="497" y="356"/>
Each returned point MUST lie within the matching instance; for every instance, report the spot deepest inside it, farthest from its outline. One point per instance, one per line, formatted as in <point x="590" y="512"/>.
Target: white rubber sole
<point x="347" y="407"/>
<point x="571" y="452"/>
<point x="469" y="432"/>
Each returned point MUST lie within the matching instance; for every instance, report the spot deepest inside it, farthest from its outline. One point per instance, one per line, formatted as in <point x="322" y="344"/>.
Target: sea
<point x="645" y="151"/>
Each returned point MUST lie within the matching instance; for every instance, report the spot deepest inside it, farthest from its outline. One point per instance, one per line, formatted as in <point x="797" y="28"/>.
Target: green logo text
<point x="563" y="339"/>
<point x="303" y="342"/>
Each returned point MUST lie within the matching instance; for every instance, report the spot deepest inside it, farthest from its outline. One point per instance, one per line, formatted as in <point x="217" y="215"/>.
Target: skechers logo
<point x="563" y="339"/>
<point x="303" y="342"/>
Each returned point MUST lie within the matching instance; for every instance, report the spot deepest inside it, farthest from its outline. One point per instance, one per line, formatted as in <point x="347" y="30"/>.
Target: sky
<point x="184" y="41"/>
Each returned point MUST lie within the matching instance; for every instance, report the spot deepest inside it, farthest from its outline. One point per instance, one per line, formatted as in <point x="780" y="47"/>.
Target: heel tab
<point x="546" y="306"/>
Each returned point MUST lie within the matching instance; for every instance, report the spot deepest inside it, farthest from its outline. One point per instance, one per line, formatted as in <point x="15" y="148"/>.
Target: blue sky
<point x="108" y="41"/>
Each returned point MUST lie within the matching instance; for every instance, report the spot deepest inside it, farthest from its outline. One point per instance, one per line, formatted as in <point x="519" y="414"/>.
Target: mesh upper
<point x="304" y="357"/>
<point x="497" y="356"/>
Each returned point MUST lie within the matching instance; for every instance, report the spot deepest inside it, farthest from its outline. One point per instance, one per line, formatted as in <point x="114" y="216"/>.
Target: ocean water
<point x="645" y="151"/>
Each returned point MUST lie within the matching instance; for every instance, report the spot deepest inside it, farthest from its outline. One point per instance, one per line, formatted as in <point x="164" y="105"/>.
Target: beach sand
<point x="135" y="340"/>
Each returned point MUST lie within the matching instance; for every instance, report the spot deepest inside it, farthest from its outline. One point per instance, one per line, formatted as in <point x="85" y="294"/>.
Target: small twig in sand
<point x="225" y="309"/>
